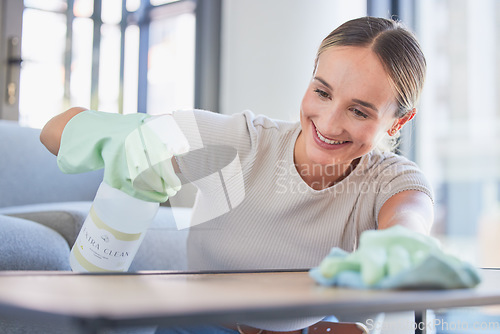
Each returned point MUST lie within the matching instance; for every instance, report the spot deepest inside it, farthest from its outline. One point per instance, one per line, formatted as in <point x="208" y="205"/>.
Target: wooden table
<point x="96" y="301"/>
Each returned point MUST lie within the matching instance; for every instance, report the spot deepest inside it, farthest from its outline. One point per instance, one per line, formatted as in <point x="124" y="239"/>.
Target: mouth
<point x="329" y="141"/>
<point x="322" y="139"/>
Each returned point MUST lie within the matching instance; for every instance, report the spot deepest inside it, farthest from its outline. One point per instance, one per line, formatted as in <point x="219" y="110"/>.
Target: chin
<point x="319" y="158"/>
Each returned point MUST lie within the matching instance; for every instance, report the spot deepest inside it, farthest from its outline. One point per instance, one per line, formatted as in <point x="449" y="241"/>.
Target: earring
<point x="392" y="131"/>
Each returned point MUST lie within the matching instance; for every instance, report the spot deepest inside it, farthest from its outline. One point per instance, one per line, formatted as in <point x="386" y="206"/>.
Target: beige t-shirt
<point x="270" y="218"/>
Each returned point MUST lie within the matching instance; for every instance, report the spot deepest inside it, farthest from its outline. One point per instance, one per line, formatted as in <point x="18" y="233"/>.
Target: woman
<point x="317" y="184"/>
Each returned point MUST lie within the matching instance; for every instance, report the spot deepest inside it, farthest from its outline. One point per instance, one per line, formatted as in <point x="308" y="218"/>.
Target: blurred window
<point x="457" y="134"/>
<point x="88" y="53"/>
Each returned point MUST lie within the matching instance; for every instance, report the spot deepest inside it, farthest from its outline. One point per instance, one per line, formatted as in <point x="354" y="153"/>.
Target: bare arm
<point x="52" y="131"/>
<point x="412" y="209"/>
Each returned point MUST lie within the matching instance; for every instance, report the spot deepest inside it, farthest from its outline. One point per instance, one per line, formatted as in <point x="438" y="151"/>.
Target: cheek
<point x="378" y="135"/>
<point x="369" y="135"/>
<point x="310" y="105"/>
<point x="305" y="105"/>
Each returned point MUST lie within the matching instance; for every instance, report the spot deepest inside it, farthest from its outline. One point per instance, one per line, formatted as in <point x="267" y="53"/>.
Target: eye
<point x="359" y="113"/>
<point x="322" y="94"/>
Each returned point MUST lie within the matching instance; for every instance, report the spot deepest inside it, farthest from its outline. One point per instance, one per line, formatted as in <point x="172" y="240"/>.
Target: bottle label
<point x="100" y="247"/>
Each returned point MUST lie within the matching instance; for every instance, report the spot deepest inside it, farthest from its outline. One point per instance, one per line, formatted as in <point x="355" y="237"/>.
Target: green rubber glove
<point x="135" y="155"/>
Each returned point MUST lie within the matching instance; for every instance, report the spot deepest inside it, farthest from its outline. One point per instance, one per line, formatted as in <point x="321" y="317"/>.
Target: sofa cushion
<point x="64" y="217"/>
<point x="26" y="245"/>
<point x="163" y="247"/>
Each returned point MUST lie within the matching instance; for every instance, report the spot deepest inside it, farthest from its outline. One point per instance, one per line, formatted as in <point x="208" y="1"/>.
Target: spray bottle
<point x="112" y="231"/>
<point x="118" y="220"/>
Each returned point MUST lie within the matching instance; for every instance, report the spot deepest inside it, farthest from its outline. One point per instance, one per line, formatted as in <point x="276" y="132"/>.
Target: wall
<point x="268" y="50"/>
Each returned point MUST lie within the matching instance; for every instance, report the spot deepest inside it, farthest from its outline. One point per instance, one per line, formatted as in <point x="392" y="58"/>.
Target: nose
<point x="333" y="123"/>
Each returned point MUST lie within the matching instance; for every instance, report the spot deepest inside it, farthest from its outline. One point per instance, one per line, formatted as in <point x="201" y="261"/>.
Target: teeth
<point x="328" y="141"/>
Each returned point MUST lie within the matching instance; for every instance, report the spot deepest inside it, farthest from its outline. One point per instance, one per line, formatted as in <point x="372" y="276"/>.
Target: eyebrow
<point x="326" y="84"/>
<point x="358" y="101"/>
<point x="365" y="104"/>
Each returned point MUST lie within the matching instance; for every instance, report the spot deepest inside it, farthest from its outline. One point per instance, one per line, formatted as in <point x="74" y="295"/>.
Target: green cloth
<point x="130" y="152"/>
<point x="395" y="258"/>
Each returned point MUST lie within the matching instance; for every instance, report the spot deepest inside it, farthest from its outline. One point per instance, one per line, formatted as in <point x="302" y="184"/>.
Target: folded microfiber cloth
<point x="395" y="258"/>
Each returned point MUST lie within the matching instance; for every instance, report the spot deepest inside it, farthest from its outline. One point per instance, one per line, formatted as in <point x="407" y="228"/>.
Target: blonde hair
<point x="397" y="49"/>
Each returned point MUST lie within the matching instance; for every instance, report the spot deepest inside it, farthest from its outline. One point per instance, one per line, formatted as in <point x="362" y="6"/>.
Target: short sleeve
<point x="216" y="140"/>
<point x="396" y="174"/>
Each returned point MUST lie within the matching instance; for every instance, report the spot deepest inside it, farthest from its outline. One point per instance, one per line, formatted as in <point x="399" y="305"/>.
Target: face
<point x="348" y="107"/>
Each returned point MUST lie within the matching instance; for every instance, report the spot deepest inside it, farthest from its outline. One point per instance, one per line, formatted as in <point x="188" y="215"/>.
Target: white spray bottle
<point x="117" y="222"/>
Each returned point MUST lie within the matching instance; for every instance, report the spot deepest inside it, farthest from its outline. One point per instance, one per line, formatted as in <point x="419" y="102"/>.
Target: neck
<point x="321" y="177"/>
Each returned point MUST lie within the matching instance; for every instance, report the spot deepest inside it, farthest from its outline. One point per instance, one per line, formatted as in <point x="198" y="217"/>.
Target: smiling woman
<point x="361" y="94"/>
<point x="347" y="109"/>
<point x="302" y="187"/>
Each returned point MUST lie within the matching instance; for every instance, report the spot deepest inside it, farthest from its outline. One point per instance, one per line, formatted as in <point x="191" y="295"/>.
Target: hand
<point x="92" y="140"/>
<point x="149" y="153"/>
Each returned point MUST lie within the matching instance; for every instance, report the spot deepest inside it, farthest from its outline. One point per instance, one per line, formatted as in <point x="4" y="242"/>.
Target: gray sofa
<point x="42" y="210"/>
